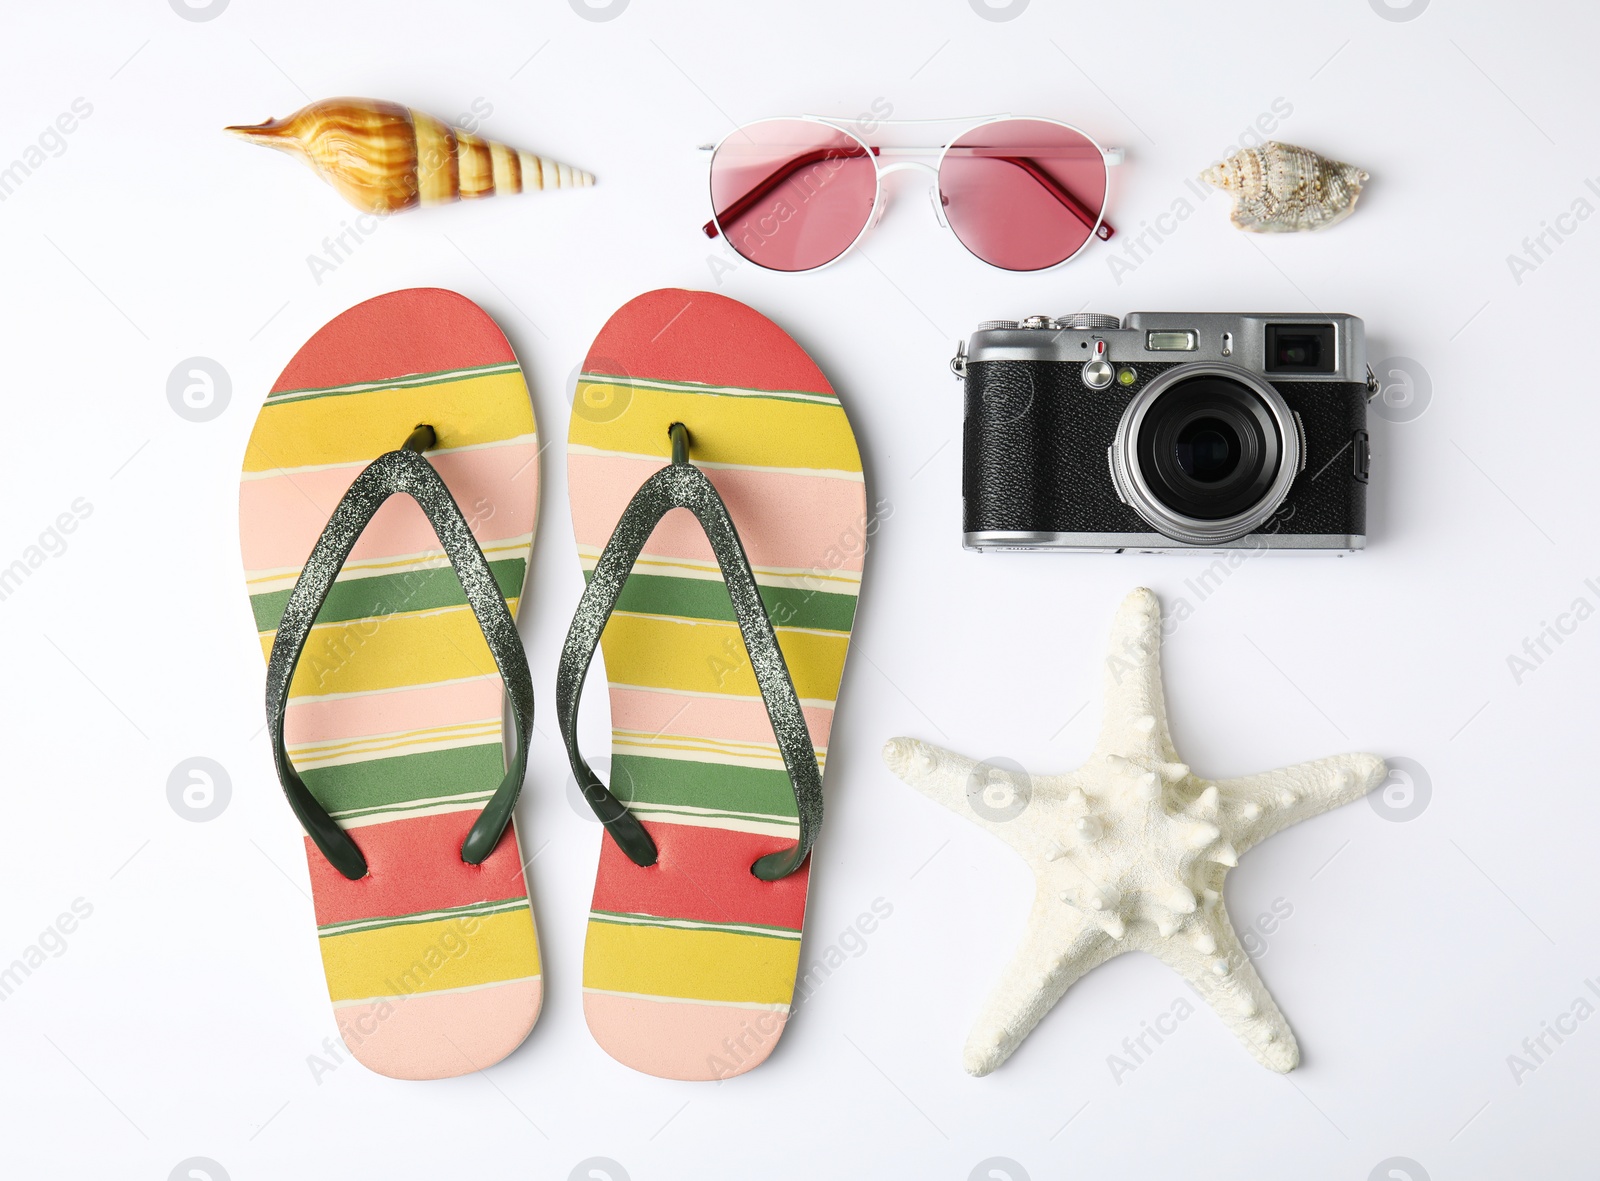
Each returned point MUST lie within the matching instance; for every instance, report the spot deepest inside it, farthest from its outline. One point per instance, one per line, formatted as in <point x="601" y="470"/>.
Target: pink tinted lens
<point x="790" y="194"/>
<point x="1023" y="193"/>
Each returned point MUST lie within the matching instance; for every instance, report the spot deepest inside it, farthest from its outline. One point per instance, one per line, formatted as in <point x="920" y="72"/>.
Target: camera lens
<point x="1208" y="448"/>
<point x="1206" y="452"/>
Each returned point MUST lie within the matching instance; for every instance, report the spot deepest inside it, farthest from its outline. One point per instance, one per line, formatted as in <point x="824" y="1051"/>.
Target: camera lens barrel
<point x="1206" y="453"/>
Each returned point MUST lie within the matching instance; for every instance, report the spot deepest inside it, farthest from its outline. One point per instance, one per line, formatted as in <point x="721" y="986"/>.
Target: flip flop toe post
<point x="387" y="510"/>
<point x="720" y="513"/>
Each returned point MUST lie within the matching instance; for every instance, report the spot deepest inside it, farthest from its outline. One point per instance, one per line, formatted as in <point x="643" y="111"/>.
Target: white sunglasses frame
<point x="1110" y="158"/>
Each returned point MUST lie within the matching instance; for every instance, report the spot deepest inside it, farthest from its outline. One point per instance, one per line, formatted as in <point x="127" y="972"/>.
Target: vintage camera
<point x="1167" y="431"/>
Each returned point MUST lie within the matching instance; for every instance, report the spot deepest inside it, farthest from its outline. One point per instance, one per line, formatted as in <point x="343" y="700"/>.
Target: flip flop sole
<point x="394" y="716"/>
<point x="690" y="964"/>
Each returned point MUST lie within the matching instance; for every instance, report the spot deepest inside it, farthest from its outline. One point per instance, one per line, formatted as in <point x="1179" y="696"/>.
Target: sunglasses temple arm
<point x="1054" y="188"/>
<point x="759" y="192"/>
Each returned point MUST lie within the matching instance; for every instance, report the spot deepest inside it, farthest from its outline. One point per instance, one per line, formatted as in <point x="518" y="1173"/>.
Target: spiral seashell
<point x="1279" y="188"/>
<point x="383" y="157"/>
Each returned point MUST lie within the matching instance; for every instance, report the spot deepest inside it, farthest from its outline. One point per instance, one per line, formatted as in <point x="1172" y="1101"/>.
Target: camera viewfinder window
<point x="1300" y="348"/>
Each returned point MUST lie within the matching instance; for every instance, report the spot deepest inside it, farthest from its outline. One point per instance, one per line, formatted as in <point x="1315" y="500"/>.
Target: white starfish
<point x="1129" y="852"/>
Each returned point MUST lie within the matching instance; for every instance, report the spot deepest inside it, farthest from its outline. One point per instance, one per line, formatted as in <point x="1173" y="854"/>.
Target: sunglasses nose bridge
<point x="877" y="213"/>
<point x="930" y="170"/>
<point x="907" y="166"/>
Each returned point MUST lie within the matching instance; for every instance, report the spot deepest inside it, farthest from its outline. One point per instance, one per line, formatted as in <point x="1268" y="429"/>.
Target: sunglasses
<point x="795" y="194"/>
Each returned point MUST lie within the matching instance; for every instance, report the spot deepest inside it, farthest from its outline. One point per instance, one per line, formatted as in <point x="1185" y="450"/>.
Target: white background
<point x="180" y="1018"/>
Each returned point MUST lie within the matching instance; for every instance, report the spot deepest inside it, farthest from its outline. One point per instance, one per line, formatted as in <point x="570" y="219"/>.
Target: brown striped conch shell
<point x="383" y="157"/>
<point x="1279" y="188"/>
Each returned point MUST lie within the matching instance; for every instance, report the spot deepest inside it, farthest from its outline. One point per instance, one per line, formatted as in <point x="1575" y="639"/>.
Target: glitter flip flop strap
<point x="407" y="471"/>
<point x="683" y="485"/>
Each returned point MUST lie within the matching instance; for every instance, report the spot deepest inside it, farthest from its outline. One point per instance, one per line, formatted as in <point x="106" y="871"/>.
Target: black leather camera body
<point x="1166" y="431"/>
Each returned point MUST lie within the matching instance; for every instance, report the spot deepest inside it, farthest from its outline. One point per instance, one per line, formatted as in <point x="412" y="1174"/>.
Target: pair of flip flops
<point x="718" y="502"/>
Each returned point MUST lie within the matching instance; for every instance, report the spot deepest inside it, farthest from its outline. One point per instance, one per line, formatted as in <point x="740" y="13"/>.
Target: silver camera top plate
<point x="1237" y="338"/>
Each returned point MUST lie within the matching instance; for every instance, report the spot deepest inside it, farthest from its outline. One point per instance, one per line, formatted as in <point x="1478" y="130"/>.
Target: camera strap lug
<point x="958" y="363"/>
<point x="1374" y="386"/>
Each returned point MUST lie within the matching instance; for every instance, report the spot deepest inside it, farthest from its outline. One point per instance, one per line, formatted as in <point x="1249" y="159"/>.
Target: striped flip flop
<point x="385" y="619"/>
<point x="725" y="628"/>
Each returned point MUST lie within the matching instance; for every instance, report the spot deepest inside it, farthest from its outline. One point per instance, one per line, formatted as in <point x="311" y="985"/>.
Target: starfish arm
<point x="1254" y="807"/>
<point x="992" y="801"/>
<point x="1135" y="718"/>
<point x="1227" y="981"/>
<point x="941" y="775"/>
<point x="1058" y="947"/>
